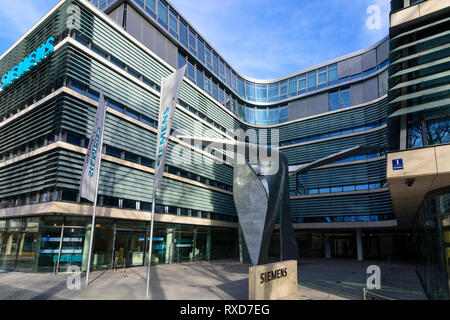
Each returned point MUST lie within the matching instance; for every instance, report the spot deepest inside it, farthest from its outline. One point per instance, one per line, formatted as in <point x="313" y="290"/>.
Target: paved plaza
<point x="319" y="279"/>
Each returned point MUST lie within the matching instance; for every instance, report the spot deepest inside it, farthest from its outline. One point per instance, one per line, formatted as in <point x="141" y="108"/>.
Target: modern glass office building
<point x="419" y="133"/>
<point x="125" y="48"/>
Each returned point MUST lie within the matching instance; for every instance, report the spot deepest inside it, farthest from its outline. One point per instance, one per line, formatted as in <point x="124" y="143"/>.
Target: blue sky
<point x="260" y="38"/>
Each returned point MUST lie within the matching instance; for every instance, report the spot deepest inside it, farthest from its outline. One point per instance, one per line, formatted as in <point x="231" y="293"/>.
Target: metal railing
<point x="370" y="295"/>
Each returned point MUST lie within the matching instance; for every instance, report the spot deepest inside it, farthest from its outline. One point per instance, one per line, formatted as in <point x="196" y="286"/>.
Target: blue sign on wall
<point x="29" y="62"/>
<point x="397" y="164"/>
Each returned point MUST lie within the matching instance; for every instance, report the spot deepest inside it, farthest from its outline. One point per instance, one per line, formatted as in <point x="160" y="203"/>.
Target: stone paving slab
<point x="319" y="279"/>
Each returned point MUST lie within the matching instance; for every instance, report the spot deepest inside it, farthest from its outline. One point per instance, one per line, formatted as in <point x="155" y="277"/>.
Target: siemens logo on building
<point x="29" y="62"/>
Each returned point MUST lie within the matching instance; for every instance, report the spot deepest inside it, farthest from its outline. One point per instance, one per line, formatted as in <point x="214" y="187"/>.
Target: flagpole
<point x="93" y="226"/>
<point x="150" y="243"/>
<point x="96" y="194"/>
<point x="167" y="105"/>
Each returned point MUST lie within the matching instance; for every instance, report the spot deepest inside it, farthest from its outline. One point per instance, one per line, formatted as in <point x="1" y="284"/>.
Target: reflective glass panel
<point x="200" y="51"/>
<point x="311" y="80"/>
<point x="273" y="92"/>
<point x="273" y="115"/>
<point x="183" y="33"/>
<point x="250" y="114"/>
<point x="162" y="12"/>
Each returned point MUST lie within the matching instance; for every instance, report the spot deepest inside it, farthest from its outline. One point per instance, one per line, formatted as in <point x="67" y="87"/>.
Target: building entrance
<point x="342" y="245"/>
<point x="129" y="249"/>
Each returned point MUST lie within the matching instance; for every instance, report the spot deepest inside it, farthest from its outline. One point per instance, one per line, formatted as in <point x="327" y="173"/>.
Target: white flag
<point x="170" y="88"/>
<point x="91" y="166"/>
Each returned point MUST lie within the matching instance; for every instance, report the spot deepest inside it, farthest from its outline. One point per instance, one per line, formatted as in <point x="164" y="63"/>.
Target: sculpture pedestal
<point x="272" y="281"/>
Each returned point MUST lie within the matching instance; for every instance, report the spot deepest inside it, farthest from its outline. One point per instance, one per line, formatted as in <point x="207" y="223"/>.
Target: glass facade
<point x="429" y="128"/>
<point x="53" y="243"/>
<point x="432" y="241"/>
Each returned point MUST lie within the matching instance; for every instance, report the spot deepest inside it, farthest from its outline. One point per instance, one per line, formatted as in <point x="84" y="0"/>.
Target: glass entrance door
<point x="129" y="249"/>
<point x="342" y="246"/>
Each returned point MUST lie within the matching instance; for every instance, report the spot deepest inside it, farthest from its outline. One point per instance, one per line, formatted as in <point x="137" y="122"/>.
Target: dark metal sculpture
<point x="258" y="198"/>
<point x="260" y="194"/>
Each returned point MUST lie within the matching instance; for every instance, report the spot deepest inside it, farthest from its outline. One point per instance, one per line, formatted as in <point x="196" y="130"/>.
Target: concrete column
<point x="9" y="244"/>
<point x="169" y="245"/>
<point x="327" y="248"/>
<point x="359" y="246"/>
<point x="208" y="244"/>
<point x="87" y="238"/>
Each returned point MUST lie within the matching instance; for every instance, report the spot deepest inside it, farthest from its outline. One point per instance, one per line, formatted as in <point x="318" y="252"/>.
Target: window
<point x="184" y="212"/>
<point x="250" y="114"/>
<point x="333" y="100"/>
<point x="438" y="131"/>
<point x="129" y="204"/>
<point x="283" y="90"/>
<point x="214" y="91"/>
<point x="77" y="86"/>
<point x="192" y="42"/>
<point x="283" y="114"/>
<point x="69" y="195"/>
<point x="311" y="80"/>
<point x="302" y="84"/>
<point x="322" y="76"/>
<point x="191" y="72"/>
<point x="113" y="152"/>
<point x="131" y="114"/>
<point x="339" y="99"/>
<point x="199" y="78"/>
<point x="115" y="105"/>
<point x="228" y="75"/>
<point x="73" y="139"/>
<point x="292" y="87"/>
<point x="345" y="97"/>
<point x="261" y="114"/>
<point x="215" y="64"/>
<point x="181" y="60"/>
<point x="93" y="95"/>
<point x="99" y="51"/>
<point x="200" y="51"/>
<point x="250" y="91"/>
<point x="131" y="157"/>
<point x="221" y="71"/>
<point x="208" y="58"/>
<point x="241" y="87"/>
<point x="173" y="24"/>
<point x="183" y="33"/>
<point x="151" y="10"/>
<point x="162" y="13"/>
<point x="117" y="62"/>
<point x="233" y="81"/>
<point x="273" y="117"/>
<point x="110" y="201"/>
<point x="139" y="2"/>
<point x="332" y="74"/>
<point x="221" y="96"/>
<point x="173" y="210"/>
<point x="208" y="85"/>
<point x="261" y="91"/>
<point x="147" y="162"/>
